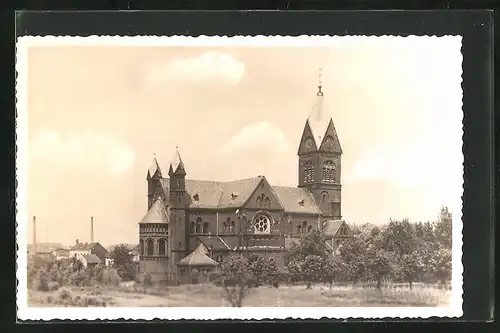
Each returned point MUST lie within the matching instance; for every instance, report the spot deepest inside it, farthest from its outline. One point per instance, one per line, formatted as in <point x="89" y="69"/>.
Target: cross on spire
<point x="320" y="83"/>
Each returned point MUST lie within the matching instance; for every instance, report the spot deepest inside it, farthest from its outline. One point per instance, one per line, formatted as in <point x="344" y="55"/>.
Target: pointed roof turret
<point x="198" y="258"/>
<point x="318" y="119"/>
<point x="157" y="213"/>
<point x="154" y="169"/>
<point x="177" y="166"/>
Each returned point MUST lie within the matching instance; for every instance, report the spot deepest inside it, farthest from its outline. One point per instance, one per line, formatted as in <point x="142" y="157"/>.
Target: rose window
<point x="262" y="224"/>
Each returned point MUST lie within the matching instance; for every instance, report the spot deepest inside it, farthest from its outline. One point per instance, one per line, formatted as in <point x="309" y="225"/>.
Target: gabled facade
<point x="194" y="221"/>
<point x="87" y="249"/>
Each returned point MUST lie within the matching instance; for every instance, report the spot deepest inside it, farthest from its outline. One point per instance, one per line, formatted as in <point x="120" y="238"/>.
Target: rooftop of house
<point x="91" y="259"/>
<point x="83" y="246"/>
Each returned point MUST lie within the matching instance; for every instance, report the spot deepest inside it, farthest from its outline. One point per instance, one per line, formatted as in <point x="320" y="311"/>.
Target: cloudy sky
<point x="97" y="114"/>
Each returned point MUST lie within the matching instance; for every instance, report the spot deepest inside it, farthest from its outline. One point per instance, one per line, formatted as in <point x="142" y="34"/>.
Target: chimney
<point x="91" y="229"/>
<point x="34" y="234"/>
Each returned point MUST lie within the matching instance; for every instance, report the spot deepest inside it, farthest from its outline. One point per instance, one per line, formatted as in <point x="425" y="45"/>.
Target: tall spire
<point x="154" y="168"/>
<point x="320" y="83"/>
<point x="177" y="165"/>
<point x="318" y="119"/>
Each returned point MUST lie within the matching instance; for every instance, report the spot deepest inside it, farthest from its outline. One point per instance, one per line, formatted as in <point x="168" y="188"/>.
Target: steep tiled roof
<point x="218" y="194"/>
<point x="330" y="227"/>
<point x="156" y="214"/>
<point x="83" y="246"/>
<point x="198" y="258"/>
<point x="91" y="259"/>
<point x="291" y="198"/>
<point x="233" y="194"/>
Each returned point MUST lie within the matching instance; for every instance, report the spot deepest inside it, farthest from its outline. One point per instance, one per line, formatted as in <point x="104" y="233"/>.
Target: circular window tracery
<point x="262" y="224"/>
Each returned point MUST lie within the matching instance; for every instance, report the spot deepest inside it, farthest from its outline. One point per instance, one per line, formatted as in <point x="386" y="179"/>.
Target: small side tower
<point x="177" y="205"/>
<point x="153" y="243"/>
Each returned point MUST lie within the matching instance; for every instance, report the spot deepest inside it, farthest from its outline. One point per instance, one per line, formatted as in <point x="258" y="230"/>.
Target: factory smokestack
<point x="91" y="229"/>
<point x="34" y="234"/>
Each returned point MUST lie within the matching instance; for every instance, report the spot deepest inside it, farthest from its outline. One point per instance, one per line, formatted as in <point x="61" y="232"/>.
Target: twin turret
<point x="176" y="185"/>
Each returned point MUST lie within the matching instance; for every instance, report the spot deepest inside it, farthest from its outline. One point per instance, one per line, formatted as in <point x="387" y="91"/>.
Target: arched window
<point x="324" y="197"/>
<point x="309" y="228"/>
<point x="343" y="231"/>
<point x="258" y="201"/>
<point x="149" y="247"/>
<point x="299" y="229"/>
<point x="141" y="247"/>
<point x="304" y="227"/>
<point x="267" y="202"/>
<point x="227" y="225"/>
<point x="192" y="228"/>
<point x="231" y="227"/>
<point x="162" y="247"/>
<point x="205" y="228"/>
<point x="329" y="171"/>
<point x="199" y="225"/>
<point x="308" y="172"/>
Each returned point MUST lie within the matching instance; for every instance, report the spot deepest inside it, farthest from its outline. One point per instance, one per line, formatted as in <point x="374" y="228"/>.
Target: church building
<point x="195" y="223"/>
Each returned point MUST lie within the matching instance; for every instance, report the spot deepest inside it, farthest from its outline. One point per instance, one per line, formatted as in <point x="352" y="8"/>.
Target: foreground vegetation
<point x="209" y="295"/>
<point x="401" y="264"/>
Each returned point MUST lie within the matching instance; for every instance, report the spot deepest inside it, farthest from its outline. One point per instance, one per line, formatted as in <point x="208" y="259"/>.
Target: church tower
<point x="320" y="159"/>
<point x="153" y="178"/>
<point x="178" y="202"/>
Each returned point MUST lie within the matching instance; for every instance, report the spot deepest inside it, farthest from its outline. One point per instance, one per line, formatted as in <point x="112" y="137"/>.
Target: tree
<point x="332" y="269"/>
<point x="441" y="264"/>
<point x="312" y="269"/>
<point x="122" y="261"/>
<point x="443" y="228"/>
<point x="399" y="237"/>
<point x="378" y="265"/>
<point x="353" y="255"/>
<point x="313" y="243"/>
<point x="264" y="269"/>
<point x="236" y="278"/>
<point x="410" y="268"/>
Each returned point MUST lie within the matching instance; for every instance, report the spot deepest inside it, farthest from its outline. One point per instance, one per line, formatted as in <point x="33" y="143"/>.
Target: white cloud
<point x="209" y="66"/>
<point x="83" y="150"/>
<point x="262" y="136"/>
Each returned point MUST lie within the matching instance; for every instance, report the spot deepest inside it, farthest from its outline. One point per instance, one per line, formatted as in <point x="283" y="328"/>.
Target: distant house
<point x="108" y="260"/>
<point x="89" y="260"/>
<point x="43" y="247"/>
<point x="87" y="249"/>
<point x="134" y="254"/>
<point x="44" y="255"/>
<point x="61" y="254"/>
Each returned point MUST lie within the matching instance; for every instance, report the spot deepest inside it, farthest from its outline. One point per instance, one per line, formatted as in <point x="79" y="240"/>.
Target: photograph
<point x="273" y="176"/>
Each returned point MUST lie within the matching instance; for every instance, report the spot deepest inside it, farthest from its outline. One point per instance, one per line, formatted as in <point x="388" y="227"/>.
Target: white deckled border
<point x="26" y="313"/>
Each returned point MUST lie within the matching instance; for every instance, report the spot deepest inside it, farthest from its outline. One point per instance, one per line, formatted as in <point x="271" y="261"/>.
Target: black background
<point x="476" y="27"/>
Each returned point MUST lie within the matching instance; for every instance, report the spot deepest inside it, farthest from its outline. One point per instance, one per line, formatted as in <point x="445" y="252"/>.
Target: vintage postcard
<point x="277" y="177"/>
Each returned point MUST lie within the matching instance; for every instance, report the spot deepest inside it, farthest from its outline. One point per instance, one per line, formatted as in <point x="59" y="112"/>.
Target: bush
<point x="42" y="280"/>
<point x="110" y="277"/>
<point x="148" y="282"/>
<point x="53" y="286"/>
<point x="65" y="294"/>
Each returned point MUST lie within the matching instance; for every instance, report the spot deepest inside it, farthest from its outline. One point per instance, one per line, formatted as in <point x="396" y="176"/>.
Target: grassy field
<point x="208" y="295"/>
